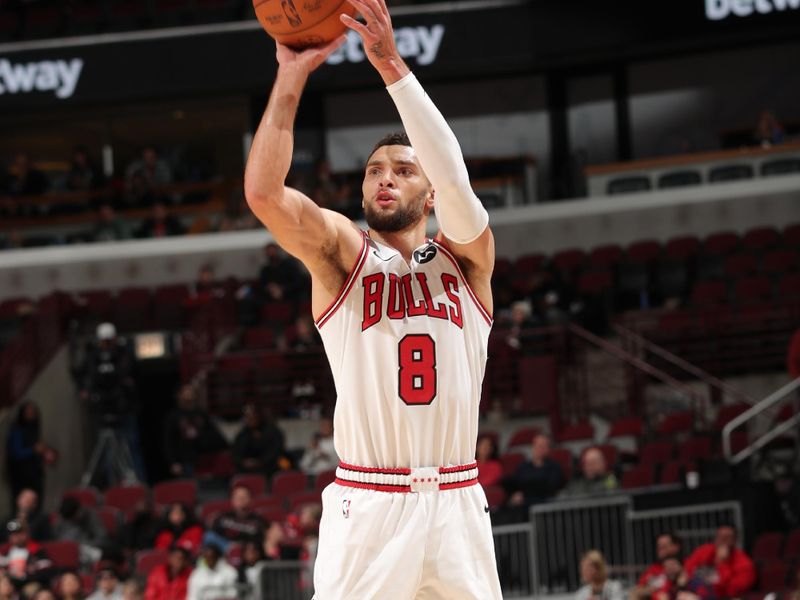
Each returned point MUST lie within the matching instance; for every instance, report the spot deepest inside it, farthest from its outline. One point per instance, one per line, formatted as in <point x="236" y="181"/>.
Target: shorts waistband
<point x="404" y="480"/>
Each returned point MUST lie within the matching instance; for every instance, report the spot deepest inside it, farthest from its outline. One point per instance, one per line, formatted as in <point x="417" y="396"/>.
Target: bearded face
<point x="397" y="194"/>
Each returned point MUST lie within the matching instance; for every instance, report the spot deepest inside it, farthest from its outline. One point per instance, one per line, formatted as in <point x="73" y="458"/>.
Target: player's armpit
<point x="476" y="260"/>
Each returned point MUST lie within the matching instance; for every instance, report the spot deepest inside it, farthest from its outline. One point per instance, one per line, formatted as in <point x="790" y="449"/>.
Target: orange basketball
<point x="302" y="23"/>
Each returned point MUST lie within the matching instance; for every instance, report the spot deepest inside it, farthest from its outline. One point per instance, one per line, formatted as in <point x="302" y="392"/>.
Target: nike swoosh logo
<point x="486" y="509"/>
<point x="375" y="252"/>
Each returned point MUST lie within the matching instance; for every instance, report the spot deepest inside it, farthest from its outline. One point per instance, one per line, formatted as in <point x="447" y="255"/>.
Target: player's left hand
<point x="308" y="59"/>
<point x="376" y="32"/>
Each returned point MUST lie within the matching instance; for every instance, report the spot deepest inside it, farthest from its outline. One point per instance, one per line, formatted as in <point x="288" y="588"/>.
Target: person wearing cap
<point x="213" y="577"/>
<point x="25" y="561"/>
<point x="107" y="585"/>
<point x="170" y="581"/>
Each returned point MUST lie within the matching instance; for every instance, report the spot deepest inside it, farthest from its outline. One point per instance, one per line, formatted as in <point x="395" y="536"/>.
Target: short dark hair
<point x="397" y="138"/>
<point x="672" y="538"/>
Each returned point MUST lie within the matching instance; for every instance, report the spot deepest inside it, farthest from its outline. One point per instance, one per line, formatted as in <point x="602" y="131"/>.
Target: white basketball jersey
<point x="407" y="346"/>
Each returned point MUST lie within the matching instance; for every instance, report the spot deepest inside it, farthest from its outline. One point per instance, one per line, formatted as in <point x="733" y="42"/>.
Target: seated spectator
<point x="24" y="179"/>
<point x="188" y="432"/>
<point x="253" y="561"/>
<point x="144" y="175"/>
<point x="490" y="471"/>
<point x="722" y="564"/>
<point x="179" y="527"/>
<point x="82" y="525"/>
<point x="7" y="590"/>
<point x="139" y="533"/>
<point x="596" y="478"/>
<point x="535" y="480"/>
<point x="132" y="590"/>
<point x="27" y="511"/>
<point x="83" y="175"/>
<point x="676" y="584"/>
<point x="107" y="584"/>
<point x="70" y="586"/>
<point x="274" y="544"/>
<point x="654" y="578"/>
<point x="206" y="288"/>
<point x="305" y="336"/>
<point x="522" y="322"/>
<point x="213" y="577"/>
<point x="320" y="455"/>
<point x="170" y="581"/>
<point x="44" y="594"/>
<point x="769" y="131"/>
<point x="238" y="524"/>
<point x="282" y="278"/>
<point x="108" y="227"/>
<point x="259" y="445"/>
<point x="160" y="223"/>
<point x="594" y="574"/>
<point x="25" y="561"/>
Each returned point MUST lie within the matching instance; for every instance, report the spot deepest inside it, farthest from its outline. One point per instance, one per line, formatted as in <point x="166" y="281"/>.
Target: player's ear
<point x="429" y="200"/>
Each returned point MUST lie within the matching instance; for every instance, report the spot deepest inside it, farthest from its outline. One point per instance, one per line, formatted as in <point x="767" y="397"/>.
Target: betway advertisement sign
<point x="59" y="77"/>
<point x="418" y="44"/>
<point x="717" y="10"/>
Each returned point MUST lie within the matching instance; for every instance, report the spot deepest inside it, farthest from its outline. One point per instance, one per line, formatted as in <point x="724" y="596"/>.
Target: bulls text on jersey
<point x="395" y="293"/>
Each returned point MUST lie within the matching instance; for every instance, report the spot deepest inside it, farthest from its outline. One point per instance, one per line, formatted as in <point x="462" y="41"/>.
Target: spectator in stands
<point x="7" y="590"/>
<point x="25" y="561"/>
<point x="107" y="227"/>
<point x="24" y="179"/>
<point x="26" y="453"/>
<point x="722" y="564"/>
<point x="132" y="590"/>
<point x="107" y="585"/>
<point x="160" y="223"/>
<point x="596" y="477"/>
<point x="253" y="561"/>
<point x="144" y="175"/>
<point x="654" y="578"/>
<point x="83" y="175"/>
<point x="213" y="577"/>
<point x="70" y="586"/>
<point x="305" y="336"/>
<point x="522" y="322"/>
<point x="320" y="455"/>
<point x="140" y="532"/>
<point x="82" y="525"/>
<point x="206" y="288"/>
<point x="170" y="581"/>
<point x="490" y="471"/>
<point x="769" y="131"/>
<point x="594" y="575"/>
<point x="274" y="546"/>
<point x="179" y="527"/>
<point x="259" y="445"/>
<point x="27" y="510"/>
<point x="281" y="279"/>
<point x="44" y="594"/>
<point x="238" y="524"/>
<point x="535" y="480"/>
<point x="188" y="432"/>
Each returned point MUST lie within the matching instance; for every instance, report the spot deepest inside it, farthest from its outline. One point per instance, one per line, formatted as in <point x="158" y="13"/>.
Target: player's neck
<point x="404" y="241"/>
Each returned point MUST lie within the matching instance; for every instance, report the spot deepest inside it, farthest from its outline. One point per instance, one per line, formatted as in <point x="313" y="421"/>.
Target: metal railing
<point x="514" y="550"/>
<point x="763" y="423"/>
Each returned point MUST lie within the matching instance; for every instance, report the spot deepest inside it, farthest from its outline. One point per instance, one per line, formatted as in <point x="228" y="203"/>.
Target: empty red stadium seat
<point x="259" y="338"/>
<point x="789" y="286"/>
<point x="772" y="577"/>
<point x="671" y="473"/>
<point x="125" y="497"/>
<point x="679" y="422"/>
<point x="495" y="496"/>
<point x="257" y="484"/>
<point x="523" y="437"/>
<point x="131" y="310"/>
<point x="300" y="499"/>
<point x="605" y="256"/>
<point x="792" y="549"/>
<point x="168" y="306"/>
<point x="277" y="314"/>
<point x="271" y="514"/>
<point x="727" y="413"/>
<point x="644" y="251"/>
<point x="269" y="502"/>
<point x="752" y="289"/>
<point x="218" y="465"/>
<point x="182" y="490"/>
<point x="767" y="547"/>
<point x="286" y="483"/>
<point x="595" y="282"/>
<point x="740" y="265"/>
<point x="681" y="248"/>
<point x="528" y="263"/>
<point x="779" y="262"/>
<point x="502" y="267"/>
<point x="641" y="475"/>
<point x="324" y="479"/>
<point x="86" y="496"/>
<point x="510" y="462"/>
<point x="760" y="238"/>
<point x="213" y="508"/>
<point x="147" y="560"/>
<point x="65" y="555"/>
<point x="111" y="518"/>
<point x="791" y="235"/>
<point x="656" y="452"/>
<point x="632" y="426"/>
<point x="696" y="448"/>
<point x="709" y="293"/>
<point x="576" y="432"/>
<point x="721" y="243"/>
<point x="569" y="260"/>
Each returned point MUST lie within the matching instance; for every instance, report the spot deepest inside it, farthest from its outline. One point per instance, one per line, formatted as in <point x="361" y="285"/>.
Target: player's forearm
<point x="271" y="152"/>
<point x="459" y="212"/>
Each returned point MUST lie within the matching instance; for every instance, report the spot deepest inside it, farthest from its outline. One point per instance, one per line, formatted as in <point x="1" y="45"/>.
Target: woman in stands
<point x="594" y="574"/>
<point x="490" y="471"/>
<point x="179" y="527"/>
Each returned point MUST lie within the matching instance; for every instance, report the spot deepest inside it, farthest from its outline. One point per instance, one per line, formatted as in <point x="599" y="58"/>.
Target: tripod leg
<point x="94" y="461"/>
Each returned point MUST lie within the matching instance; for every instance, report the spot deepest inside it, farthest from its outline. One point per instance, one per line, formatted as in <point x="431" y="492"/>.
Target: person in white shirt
<point x="594" y="573"/>
<point x="108" y="585"/>
<point x="213" y="577"/>
<point x="320" y="455"/>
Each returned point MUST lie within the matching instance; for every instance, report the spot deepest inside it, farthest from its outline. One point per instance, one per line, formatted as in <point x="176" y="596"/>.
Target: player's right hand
<point x="309" y="58"/>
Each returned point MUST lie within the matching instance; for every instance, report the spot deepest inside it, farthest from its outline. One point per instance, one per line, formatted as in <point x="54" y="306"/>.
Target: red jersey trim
<point x="458" y="468"/>
<point x="388" y="471"/>
<point x="458" y="484"/>
<point x="374" y="486"/>
<point x="347" y="286"/>
<point x="481" y="308"/>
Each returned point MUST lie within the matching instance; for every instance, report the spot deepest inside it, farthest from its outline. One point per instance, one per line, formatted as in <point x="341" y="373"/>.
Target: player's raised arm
<point x="462" y="218"/>
<point x="297" y="223"/>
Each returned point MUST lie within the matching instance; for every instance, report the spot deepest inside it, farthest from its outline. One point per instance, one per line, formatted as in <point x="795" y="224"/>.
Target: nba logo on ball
<point x="346" y="508"/>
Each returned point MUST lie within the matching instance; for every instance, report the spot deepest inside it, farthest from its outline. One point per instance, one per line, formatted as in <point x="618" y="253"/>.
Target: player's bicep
<point x="298" y="225"/>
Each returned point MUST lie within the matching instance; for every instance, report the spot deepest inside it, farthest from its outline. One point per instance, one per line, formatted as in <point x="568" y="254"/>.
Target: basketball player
<point x="405" y="322"/>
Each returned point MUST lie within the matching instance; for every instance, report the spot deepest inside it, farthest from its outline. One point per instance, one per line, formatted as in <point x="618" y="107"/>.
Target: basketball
<point x="303" y="23"/>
